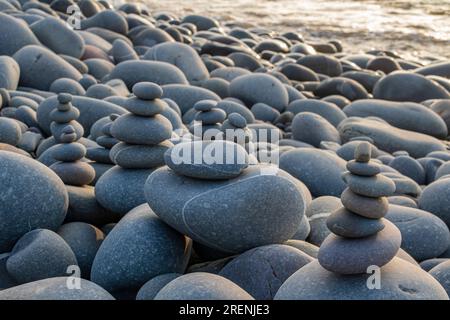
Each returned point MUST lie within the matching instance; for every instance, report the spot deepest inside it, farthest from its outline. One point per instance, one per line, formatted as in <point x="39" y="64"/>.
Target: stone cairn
<point x="143" y="136"/>
<point x="65" y="114"/>
<point x="106" y="141"/>
<point x="143" y="133"/>
<point x="207" y="119"/>
<point x="68" y="154"/>
<point x="361" y="237"/>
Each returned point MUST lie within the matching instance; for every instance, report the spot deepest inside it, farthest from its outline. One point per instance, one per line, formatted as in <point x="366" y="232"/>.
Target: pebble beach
<point x="199" y="151"/>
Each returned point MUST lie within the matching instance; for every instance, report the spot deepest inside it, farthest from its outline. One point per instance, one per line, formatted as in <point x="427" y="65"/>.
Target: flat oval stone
<point x="145" y="108"/>
<point x="401" y="280"/>
<point x="269" y="203"/>
<point x="345" y="223"/>
<point x="40" y="254"/>
<point x="376" y="186"/>
<point x="372" y="208"/>
<point x="215" y="115"/>
<point x="147" y="91"/>
<point x="69" y="152"/>
<point x="107" y="142"/>
<point x="354" y="256"/>
<point x="139" y="156"/>
<point x="207" y="159"/>
<point x="435" y="198"/>
<point x="55" y="289"/>
<point x="76" y="173"/>
<point x="368" y="169"/>
<point x="202" y="286"/>
<point x="424" y="235"/>
<point x="237" y="120"/>
<point x="141" y="130"/>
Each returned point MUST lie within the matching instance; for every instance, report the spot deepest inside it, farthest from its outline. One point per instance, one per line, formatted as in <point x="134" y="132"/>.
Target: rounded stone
<point x="408" y="86"/>
<point x="42" y="203"/>
<point x="40" y="254"/>
<point x="318" y="169"/>
<point x="15" y="35"/>
<point x="354" y="256"/>
<point x="429" y="264"/>
<point x="84" y="239"/>
<point x="435" y="198"/>
<point x="10" y="131"/>
<point x="55" y="289"/>
<point x="186" y="96"/>
<point x="441" y="273"/>
<point x="212" y="213"/>
<point x="147" y="91"/>
<point x="347" y="224"/>
<point x="261" y="271"/>
<point x="376" y="186"/>
<point x="69" y="152"/>
<point x="9" y="73"/>
<point x="151" y="288"/>
<point x="327" y="110"/>
<point x="40" y="67"/>
<point x="323" y="64"/>
<point x="145" y="108"/>
<point x="367" y="169"/>
<point x="212" y="116"/>
<point x="424" y="235"/>
<point x="76" y="173"/>
<point x="372" y="208"/>
<point x="138" y="248"/>
<point x="139" y="156"/>
<point x="401" y="281"/>
<point x="259" y="87"/>
<point x="141" y="130"/>
<point x="263" y="112"/>
<point x="345" y="87"/>
<point x="120" y="190"/>
<point x="313" y="129"/>
<point x="237" y="120"/>
<point x="202" y="286"/>
<point x="209" y="160"/>
<point x="409" y="167"/>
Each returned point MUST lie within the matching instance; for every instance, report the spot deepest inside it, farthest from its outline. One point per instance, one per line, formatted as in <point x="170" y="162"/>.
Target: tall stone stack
<point x="101" y="161"/>
<point x="358" y="260"/>
<point x="361" y="237"/>
<point x="208" y="119"/>
<point x="143" y="136"/>
<point x="235" y="129"/>
<point x="69" y="154"/>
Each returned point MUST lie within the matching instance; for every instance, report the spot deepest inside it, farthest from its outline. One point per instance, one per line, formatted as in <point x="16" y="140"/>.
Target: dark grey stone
<point x="313" y="129"/>
<point x="56" y="289"/>
<point x="408" y="86"/>
<point x="264" y="112"/>
<point x="435" y="198"/>
<point x="40" y="67"/>
<point x="40" y="254"/>
<point x="429" y="264"/>
<point x="353" y="256"/>
<point x="372" y="208"/>
<point x="261" y="271"/>
<point x="260" y="87"/>
<point x="202" y="286"/>
<point x="304" y="246"/>
<point x="369" y="169"/>
<point x="84" y="240"/>
<point x="66" y="85"/>
<point x="10" y="131"/>
<point x="442" y="274"/>
<point x="151" y="288"/>
<point x="376" y="186"/>
<point x="401" y="281"/>
<point x="42" y="203"/>
<point x="186" y="96"/>
<point x="409" y="167"/>
<point x="329" y="111"/>
<point x="10" y="73"/>
<point x="107" y="19"/>
<point x="122" y="51"/>
<point x="139" y="248"/>
<point x="404" y="115"/>
<point x="348" y="88"/>
<point x="319" y="170"/>
<point x="251" y="199"/>
<point x="345" y="223"/>
<point x="389" y="138"/>
<point x="15" y="35"/>
<point x="322" y="64"/>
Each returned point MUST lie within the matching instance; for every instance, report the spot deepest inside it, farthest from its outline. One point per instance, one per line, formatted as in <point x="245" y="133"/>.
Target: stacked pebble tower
<point x="69" y="154"/>
<point x="208" y="119"/>
<point x="143" y="136"/>
<point x="361" y="220"/>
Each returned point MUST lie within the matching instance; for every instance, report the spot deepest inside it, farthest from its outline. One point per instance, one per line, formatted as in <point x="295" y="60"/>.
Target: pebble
<point x="313" y="129"/>
<point x="151" y="288"/>
<point x="202" y="286"/>
<point x="435" y="198"/>
<point x="441" y="273"/>
<point x="261" y="271"/>
<point x="40" y="254"/>
<point x="327" y="110"/>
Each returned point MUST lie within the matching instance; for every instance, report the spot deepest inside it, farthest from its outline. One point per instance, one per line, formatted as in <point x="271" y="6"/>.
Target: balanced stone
<point x="202" y="286"/>
<point x="375" y="186"/>
<point x="346" y="224"/>
<point x="208" y="160"/>
<point x="372" y="208"/>
<point x="363" y="169"/>
<point x="139" y="156"/>
<point x="353" y="256"/>
<point x="40" y="254"/>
